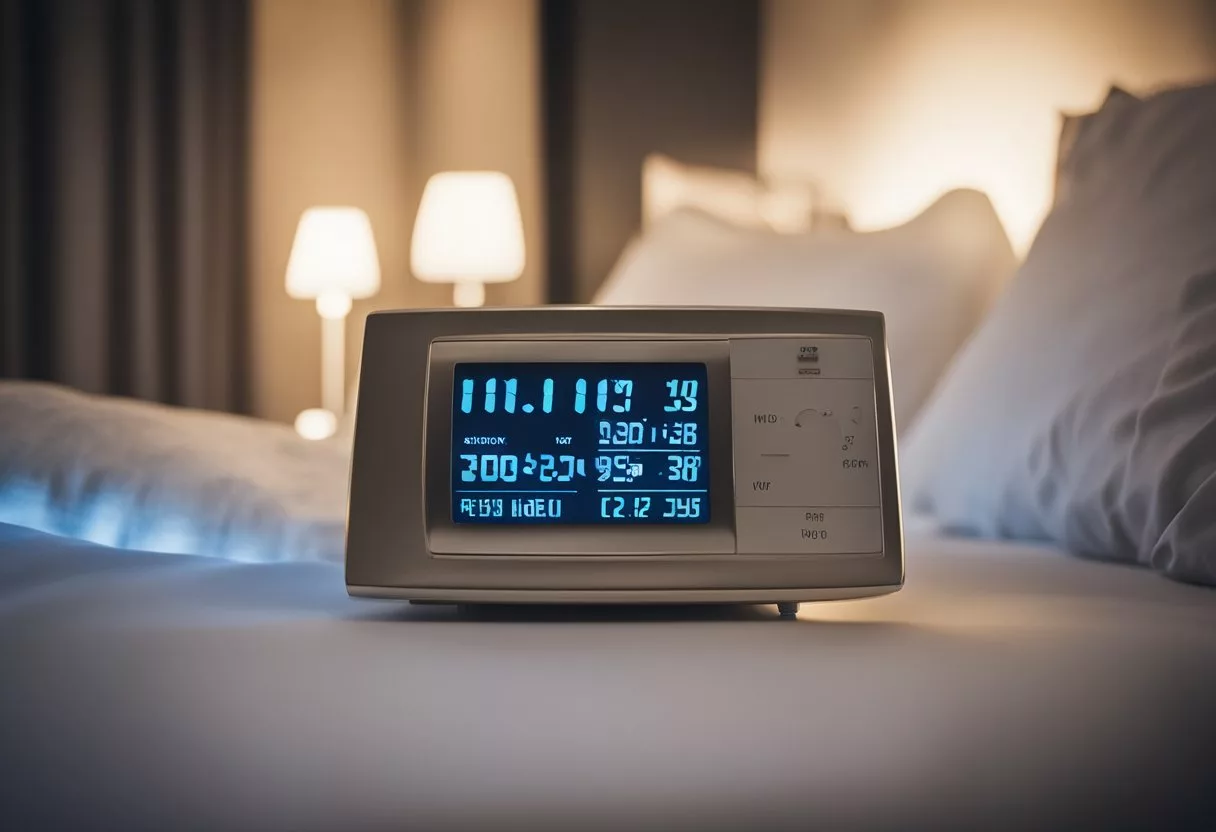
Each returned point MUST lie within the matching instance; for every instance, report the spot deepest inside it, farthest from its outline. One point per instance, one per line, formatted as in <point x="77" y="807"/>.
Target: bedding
<point x="138" y="475"/>
<point x="736" y="197"/>
<point x="1006" y="687"/>
<point x="1083" y="411"/>
<point x="932" y="277"/>
<point x="1085" y="129"/>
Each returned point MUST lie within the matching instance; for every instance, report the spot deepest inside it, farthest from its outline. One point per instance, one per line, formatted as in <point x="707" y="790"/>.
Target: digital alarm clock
<point x="619" y="455"/>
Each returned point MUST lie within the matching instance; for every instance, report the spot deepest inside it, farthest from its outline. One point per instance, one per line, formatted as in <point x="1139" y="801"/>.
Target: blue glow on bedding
<point x="135" y="475"/>
<point x="114" y="520"/>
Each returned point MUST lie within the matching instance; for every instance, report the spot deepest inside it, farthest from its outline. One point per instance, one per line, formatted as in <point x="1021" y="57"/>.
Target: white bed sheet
<point x="1008" y="686"/>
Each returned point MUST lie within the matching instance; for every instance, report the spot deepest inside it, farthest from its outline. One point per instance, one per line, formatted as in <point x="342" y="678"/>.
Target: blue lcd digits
<point x="580" y="443"/>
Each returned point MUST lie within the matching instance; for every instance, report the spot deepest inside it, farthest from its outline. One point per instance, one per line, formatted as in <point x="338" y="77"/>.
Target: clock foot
<point x="787" y="609"/>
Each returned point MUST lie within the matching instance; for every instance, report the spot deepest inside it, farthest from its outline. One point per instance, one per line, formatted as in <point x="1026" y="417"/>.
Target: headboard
<point x="623" y="78"/>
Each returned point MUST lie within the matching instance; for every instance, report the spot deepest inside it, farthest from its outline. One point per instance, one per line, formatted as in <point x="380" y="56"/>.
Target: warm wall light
<point x="333" y="260"/>
<point x="468" y="233"/>
<point x="889" y="105"/>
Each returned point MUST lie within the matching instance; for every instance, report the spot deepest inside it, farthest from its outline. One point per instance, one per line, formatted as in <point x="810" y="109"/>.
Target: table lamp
<point x="333" y="260"/>
<point x="468" y="233"/>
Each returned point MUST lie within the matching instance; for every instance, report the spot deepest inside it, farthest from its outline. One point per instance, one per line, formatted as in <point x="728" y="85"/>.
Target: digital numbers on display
<point x="580" y="443"/>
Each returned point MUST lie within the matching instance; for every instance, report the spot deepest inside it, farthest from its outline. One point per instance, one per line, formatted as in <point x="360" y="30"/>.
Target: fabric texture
<point x="123" y="178"/>
<point x="1084" y="409"/>
<point x="134" y="474"/>
<point x="1169" y="483"/>
<point x="1005" y="687"/>
<point x="932" y="277"/>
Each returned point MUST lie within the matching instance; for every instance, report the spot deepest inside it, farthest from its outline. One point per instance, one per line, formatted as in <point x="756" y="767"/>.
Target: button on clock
<point x="805" y="442"/>
<point x="816" y="357"/>
<point x="809" y="530"/>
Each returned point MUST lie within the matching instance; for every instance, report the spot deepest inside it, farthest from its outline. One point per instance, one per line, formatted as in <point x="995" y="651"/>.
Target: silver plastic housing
<point x="401" y="542"/>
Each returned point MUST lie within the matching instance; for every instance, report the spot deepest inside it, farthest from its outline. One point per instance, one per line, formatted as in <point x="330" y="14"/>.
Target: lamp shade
<point x="334" y="251"/>
<point x="468" y="230"/>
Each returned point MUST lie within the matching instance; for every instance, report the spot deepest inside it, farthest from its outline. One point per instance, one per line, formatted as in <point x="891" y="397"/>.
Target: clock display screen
<point x="580" y="443"/>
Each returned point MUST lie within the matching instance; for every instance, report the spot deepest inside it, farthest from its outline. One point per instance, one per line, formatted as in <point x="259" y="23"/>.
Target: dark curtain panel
<point x="124" y="197"/>
<point x="623" y="78"/>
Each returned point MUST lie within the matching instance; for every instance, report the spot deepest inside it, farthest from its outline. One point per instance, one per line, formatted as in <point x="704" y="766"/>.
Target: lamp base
<point x="467" y="294"/>
<point x="316" y="423"/>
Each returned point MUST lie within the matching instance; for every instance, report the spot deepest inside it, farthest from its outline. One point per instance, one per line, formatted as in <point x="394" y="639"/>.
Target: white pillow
<point x="932" y="277"/>
<point x="143" y="476"/>
<point x="1084" y="409"/>
<point x="734" y="196"/>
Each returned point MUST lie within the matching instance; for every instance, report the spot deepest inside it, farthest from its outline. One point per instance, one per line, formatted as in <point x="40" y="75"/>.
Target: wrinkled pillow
<point x="932" y="277"/>
<point x="1168" y="488"/>
<point x="1079" y="130"/>
<point x="144" y="476"/>
<point x="1082" y="410"/>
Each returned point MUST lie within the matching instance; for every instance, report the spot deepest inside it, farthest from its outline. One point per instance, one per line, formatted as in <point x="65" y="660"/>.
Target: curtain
<point x="124" y="212"/>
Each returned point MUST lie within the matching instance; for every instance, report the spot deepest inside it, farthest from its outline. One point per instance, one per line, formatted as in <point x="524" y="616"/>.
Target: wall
<point x="890" y="102"/>
<point x="478" y="108"/>
<point x="357" y="102"/>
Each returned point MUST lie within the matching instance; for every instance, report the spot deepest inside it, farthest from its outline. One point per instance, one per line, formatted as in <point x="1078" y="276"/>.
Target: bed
<point x="177" y="643"/>
<point x="1007" y="686"/>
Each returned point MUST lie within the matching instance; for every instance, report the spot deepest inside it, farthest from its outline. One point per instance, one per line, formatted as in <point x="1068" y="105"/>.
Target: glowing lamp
<point x="333" y="260"/>
<point x="468" y="233"/>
